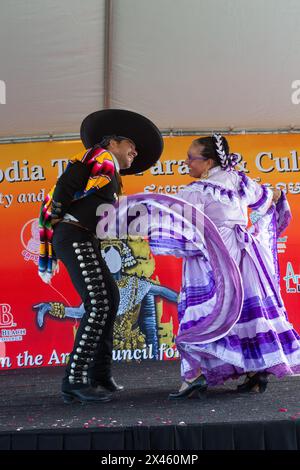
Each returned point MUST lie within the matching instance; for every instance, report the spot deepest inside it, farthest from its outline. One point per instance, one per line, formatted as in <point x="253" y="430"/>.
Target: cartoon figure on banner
<point x="138" y="323"/>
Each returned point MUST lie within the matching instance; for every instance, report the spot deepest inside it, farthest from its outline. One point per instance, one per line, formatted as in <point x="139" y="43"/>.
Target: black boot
<point x="85" y="394"/>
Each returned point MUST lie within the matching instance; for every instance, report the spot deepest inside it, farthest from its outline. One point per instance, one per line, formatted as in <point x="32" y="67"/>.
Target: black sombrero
<point x="141" y="130"/>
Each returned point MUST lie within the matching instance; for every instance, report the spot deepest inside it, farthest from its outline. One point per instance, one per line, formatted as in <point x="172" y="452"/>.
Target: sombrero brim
<point x="141" y="130"/>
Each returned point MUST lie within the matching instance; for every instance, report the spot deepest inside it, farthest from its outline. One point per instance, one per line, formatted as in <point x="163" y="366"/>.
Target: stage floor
<point x="30" y="400"/>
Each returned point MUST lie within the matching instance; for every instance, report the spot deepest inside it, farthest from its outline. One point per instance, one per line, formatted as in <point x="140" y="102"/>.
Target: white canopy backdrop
<point x="186" y="64"/>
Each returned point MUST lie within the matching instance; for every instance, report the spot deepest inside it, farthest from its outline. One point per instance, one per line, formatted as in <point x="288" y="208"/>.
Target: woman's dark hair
<point x="209" y="150"/>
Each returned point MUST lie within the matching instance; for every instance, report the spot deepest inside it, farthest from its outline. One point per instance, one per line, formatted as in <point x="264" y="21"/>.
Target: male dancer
<point x="117" y="141"/>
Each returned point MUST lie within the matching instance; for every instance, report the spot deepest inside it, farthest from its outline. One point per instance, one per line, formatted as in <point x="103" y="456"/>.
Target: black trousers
<point x="91" y="357"/>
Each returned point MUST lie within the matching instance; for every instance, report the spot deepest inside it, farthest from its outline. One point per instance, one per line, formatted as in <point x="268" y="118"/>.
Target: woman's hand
<point x="276" y="195"/>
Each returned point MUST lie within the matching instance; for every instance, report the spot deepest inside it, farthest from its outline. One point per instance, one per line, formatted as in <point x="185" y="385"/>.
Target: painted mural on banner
<point x="38" y="321"/>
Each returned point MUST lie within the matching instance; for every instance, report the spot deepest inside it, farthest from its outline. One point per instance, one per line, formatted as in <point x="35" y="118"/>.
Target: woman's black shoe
<point x="194" y="388"/>
<point x="255" y="383"/>
<point x="84" y="395"/>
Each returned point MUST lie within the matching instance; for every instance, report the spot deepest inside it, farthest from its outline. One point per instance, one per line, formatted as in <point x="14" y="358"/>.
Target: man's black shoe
<point x="84" y="395"/>
<point x="108" y="383"/>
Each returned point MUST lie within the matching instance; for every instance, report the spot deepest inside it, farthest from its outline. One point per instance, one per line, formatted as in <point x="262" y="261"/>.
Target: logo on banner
<point x="7" y="324"/>
<point x="30" y="239"/>
<point x="6" y="317"/>
<point x="292" y="280"/>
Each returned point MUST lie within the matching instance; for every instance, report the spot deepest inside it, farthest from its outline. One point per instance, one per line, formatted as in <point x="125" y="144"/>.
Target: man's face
<point x="124" y="151"/>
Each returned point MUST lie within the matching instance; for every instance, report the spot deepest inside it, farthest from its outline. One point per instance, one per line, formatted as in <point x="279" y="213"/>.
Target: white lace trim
<point x="228" y="357"/>
<point x="215" y="191"/>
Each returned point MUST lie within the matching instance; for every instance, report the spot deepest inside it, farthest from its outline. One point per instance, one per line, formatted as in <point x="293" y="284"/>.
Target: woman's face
<point x="197" y="164"/>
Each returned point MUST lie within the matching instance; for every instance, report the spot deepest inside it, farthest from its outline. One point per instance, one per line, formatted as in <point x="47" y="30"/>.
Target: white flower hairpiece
<point x="228" y="161"/>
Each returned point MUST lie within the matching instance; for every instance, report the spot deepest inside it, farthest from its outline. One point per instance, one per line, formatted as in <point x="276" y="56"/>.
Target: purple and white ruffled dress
<point x="231" y="313"/>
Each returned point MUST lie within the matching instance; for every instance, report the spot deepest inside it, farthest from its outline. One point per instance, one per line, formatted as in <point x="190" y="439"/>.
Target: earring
<point x="204" y="175"/>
